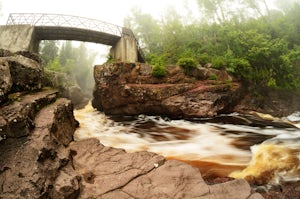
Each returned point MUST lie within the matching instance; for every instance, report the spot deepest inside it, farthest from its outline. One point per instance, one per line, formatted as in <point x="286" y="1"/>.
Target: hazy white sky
<point x="112" y="11"/>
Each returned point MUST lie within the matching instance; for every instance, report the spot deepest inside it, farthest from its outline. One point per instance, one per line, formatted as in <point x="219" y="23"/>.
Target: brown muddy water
<point x="263" y="154"/>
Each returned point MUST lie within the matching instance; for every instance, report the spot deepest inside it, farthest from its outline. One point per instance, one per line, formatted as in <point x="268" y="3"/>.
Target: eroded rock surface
<point x="105" y="172"/>
<point x="26" y="73"/>
<point x="30" y="163"/>
<point x="130" y="89"/>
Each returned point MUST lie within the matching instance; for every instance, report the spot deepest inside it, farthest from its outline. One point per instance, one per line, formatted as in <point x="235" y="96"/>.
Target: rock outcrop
<point x="130" y="89"/>
<point x="29" y="164"/>
<point x="39" y="159"/>
<point x="67" y="86"/>
<point x="19" y="72"/>
<point x="104" y="172"/>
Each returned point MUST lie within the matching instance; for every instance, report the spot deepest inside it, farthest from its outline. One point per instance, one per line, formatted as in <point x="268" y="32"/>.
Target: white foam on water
<point x="188" y="140"/>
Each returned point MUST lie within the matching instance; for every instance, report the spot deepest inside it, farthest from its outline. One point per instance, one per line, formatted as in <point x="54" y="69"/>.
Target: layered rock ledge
<point x="130" y="89"/>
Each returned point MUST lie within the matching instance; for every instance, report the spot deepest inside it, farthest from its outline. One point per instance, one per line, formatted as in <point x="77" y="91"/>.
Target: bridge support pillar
<point x="17" y="38"/>
<point x="125" y="50"/>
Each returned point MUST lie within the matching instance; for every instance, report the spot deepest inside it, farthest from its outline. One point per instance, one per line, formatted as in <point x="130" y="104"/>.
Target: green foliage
<point x="76" y="62"/>
<point x="213" y="77"/>
<point x="219" y="62"/>
<point x="49" y="51"/>
<point x="159" y="71"/>
<point x="54" y="65"/>
<point x="250" y="40"/>
<point x="203" y="59"/>
<point x="187" y="64"/>
<point x="109" y="59"/>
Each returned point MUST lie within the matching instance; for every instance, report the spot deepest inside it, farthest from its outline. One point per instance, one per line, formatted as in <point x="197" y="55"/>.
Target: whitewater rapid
<point x="268" y="154"/>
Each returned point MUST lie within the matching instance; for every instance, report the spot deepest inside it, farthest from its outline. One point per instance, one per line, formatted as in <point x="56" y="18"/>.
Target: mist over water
<point x="265" y="155"/>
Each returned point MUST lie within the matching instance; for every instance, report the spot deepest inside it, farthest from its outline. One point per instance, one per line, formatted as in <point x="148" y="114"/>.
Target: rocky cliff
<point x="130" y="89"/>
<point x="39" y="159"/>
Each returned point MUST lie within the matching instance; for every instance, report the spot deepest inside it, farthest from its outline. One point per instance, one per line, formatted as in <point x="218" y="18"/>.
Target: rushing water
<point x="263" y="154"/>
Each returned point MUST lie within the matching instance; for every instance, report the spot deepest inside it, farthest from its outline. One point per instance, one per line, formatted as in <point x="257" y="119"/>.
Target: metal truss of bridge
<point x="39" y="26"/>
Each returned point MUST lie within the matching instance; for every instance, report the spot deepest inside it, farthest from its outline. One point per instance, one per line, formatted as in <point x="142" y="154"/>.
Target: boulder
<point x="75" y="94"/>
<point x="27" y="74"/>
<point x="5" y="53"/>
<point x="67" y="86"/>
<point x="130" y="89"/>
<point x="5" y="80"/>
<point x="16" y="118"/>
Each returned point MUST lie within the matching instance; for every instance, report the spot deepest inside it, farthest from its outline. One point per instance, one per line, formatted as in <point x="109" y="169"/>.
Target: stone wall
<point x="18" y="38"/>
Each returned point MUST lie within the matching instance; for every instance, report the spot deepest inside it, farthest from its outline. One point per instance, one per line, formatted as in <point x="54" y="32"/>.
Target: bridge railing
<point x="41" y="19"/>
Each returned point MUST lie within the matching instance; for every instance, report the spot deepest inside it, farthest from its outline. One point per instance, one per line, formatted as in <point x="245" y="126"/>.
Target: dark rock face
<point x="30" y="164"/>
<point x="67" y="86"/>
<point x="16" y="118"/>
<point x="130" y="89"/>
<point x="5" y="81"/>
<point x="271" y="101"/>
<point x="26" y="73"/>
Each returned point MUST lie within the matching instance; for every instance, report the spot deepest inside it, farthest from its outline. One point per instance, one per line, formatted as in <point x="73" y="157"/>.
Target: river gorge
<point x="143" y="137"/>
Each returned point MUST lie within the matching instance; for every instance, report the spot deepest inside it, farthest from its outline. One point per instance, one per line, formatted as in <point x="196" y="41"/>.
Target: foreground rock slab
<point x="29" y="163"/>
<point x="105" y="172"/>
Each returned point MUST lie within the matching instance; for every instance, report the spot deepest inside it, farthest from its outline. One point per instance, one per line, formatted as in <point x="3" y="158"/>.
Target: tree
<point x="258" y="45"/>
<point x="146" y="29"/>
<point x="49" y="51"/>
<point x="83" y="71"/>
<point x="66" y="53"/>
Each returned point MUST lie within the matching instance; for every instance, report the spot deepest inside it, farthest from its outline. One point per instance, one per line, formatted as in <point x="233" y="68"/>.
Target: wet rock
<point x="30" y="164"/>
<point x="129" y="89"/>
<point x="5" y="53"/>
<point x="105" y="172"/>
<point x="5" y="80"/>
<point x="75" y="94"/>
<point x="16" y="118"/>
<point x="278" y="103"/>
<point x="27" y="74"/>
<point x="67" y="184"/>
<point x="30" y="55"/>
<point x="67" y="86"/>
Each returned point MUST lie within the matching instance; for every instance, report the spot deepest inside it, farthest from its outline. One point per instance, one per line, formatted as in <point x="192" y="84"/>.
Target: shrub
<point x="159" y="71"/>
<point x="213" y="77"/>
<point x="219" y="62"/>
<point x="203" y="59"/>
<point x="187" y="64"/>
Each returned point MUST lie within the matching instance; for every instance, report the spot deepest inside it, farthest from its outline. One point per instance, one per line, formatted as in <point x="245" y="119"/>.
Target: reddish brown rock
<point x="105" y="172"/>
<point x="130" y="89"/>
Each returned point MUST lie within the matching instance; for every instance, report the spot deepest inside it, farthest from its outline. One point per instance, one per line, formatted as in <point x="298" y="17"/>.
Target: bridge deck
<point x="68" y="27"/>
<point x="78" y="34"/>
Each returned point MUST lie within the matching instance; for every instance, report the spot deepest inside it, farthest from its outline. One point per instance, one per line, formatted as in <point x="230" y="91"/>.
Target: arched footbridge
<point x="24" y="31"/>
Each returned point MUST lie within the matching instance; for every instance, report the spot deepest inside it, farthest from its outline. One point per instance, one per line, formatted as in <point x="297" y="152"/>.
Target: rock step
<point x="16" y="118"/>
<point x="30" y="164"/>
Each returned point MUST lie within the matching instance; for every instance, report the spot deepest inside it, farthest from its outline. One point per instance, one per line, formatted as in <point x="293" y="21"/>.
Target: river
<point x="262" y="153"/>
